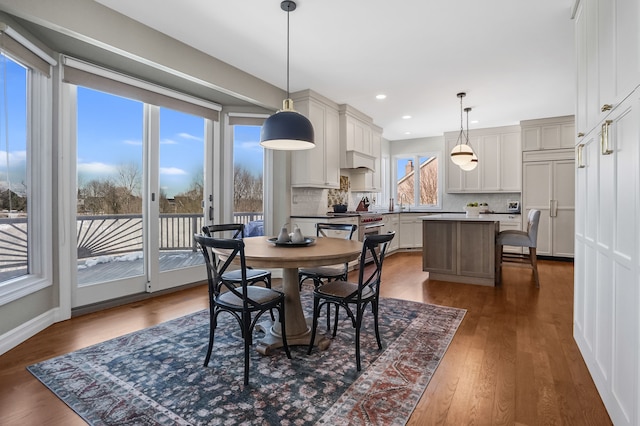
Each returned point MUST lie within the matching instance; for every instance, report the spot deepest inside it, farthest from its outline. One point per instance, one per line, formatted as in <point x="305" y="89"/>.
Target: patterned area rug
<point x="155" y="376"/>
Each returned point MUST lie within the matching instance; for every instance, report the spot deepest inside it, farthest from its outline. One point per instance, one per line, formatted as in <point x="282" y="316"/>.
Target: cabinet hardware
<point x="604" y="138"/>
<point x="606" y="107"/>
<point x="580" y="134"/>
<point x="581" y="164"/>
<point x="553" y="208"/>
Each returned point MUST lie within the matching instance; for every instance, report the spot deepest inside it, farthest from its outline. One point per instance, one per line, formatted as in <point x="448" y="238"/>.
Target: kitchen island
<point x="459" y="248"/>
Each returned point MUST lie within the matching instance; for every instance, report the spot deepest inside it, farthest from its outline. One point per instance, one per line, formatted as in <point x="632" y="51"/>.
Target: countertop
<point x="328" y="215"/>
<point x="481" y="218"/>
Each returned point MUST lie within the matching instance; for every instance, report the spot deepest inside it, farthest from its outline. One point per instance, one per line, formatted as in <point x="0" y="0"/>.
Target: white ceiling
<point x="513" y="58"/>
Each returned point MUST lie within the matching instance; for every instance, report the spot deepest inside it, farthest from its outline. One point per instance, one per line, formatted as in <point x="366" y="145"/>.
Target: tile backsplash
<point x="318" y="201"/>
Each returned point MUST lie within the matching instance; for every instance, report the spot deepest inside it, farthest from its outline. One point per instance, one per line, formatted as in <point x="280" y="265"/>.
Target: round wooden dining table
<point x="261" y="253"/>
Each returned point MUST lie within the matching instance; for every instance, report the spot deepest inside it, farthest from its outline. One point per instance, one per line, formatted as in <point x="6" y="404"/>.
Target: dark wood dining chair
<point x="245" y="302"/>
<point x="355" y="296"/>
<point x="321" y="274"/>
<point x="254" y="276"/>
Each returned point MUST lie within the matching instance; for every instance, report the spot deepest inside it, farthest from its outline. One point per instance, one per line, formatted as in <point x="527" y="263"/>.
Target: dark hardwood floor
<point x="513" y="360"/>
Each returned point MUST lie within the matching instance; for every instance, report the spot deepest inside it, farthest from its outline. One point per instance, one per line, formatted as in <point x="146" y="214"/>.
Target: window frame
<point x="415" y="156"/>
<point x="39" y="188"/>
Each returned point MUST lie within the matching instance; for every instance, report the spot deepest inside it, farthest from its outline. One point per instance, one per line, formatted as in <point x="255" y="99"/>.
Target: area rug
<point x="155" y="376"/>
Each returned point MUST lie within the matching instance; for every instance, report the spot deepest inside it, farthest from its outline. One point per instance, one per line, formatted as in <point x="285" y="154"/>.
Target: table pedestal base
<point x="273" y="338"/>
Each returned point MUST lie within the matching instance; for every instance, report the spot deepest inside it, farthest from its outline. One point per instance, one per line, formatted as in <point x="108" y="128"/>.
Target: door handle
<point x="604" y="138"/>
<point x="210" y="213"/>
<point x="553" y="208"/>
<point x="580" y="156"/>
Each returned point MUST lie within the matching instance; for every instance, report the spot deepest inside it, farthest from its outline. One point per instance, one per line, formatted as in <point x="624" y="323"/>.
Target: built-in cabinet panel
<point x="499" y="162"/>
<point x="549" y="187"/>
<point x="392" y="224"/>
<point x="548" y="133"/>
<point x="607" y="53"/>
<point x="317" y="167"/>
<point x="411" y="230"/>
<point x="607" y="237"/>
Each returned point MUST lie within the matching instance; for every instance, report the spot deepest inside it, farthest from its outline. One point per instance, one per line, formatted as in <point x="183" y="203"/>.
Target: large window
<point x="25" y="164"/>
<point x="418" y="181"/>
<point x="248" y="160"/>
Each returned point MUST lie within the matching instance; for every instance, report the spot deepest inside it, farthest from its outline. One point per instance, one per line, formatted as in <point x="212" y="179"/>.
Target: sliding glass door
<point x="140" y="188"/>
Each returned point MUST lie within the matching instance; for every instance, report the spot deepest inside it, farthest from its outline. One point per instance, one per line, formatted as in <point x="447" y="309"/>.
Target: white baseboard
<point x="13" y="338"/>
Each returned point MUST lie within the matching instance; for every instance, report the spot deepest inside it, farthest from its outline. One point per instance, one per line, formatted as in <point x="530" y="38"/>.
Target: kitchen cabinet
<point x="308" y="224"/>
<point x="607" y="57"/>
<point x="607" y="236"/>
<point x="499" y="162"/>
<point x="392" y="224"/>
<point x="410" y="230"/>
<point x="548" y="186"/>
<point x="363" y="179"/>
<point x="460" y="249"/>
<point x="317" y="167"/>
<point x="356" y="142"/>
<point x="548" y="133"/>
<point x="607" y="258"/>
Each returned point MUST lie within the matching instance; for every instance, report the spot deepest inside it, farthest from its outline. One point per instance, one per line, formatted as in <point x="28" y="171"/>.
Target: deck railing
<point x="101" y="235"/>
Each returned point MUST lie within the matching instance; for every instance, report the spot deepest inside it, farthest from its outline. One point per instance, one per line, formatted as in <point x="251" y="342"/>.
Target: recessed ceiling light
<point x="474" y="121"/>
<point x="381" y="96"/>
<point x="407" y="133"/>
<point x="406" y="117"/>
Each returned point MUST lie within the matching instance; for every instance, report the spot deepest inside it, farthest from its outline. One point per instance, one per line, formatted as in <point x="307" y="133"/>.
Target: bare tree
<point x="429" y="182"/>
<point x="130" y="178"/>
<point x="247" y="190"/>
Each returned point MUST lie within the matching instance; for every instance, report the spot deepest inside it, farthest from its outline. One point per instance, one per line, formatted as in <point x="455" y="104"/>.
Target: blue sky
<point x="247" y="150"/>
<point x="110" y="134"/>
<point x="13" y="81"/>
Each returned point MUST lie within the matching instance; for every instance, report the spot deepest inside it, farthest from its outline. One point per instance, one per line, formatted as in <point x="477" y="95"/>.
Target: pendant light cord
<point x="288" y="12"/>
<point x="461" y="135"/>
<point x="467" y="136"/>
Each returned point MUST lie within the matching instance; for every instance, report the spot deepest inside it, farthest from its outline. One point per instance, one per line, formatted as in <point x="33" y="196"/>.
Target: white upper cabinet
<point x="364" y="179"/>
<point x="317" y="167"/>
<point x="356" y="140"/>
<point x="607" y="46"/>
<point x="548" y="133"/>
<point x="499" y="161"/>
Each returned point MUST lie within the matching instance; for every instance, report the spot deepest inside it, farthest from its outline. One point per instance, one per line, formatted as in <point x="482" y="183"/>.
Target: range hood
<point x="360" y="161"/>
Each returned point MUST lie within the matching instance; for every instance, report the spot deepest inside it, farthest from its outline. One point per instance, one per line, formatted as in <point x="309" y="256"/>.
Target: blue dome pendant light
<point x="287" y="129"/>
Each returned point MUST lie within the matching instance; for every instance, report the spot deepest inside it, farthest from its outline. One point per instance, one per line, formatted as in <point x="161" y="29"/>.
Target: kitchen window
<point x="418" y="181"/>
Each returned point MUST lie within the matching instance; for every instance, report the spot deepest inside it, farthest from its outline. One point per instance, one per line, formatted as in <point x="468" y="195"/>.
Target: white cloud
<point x="97" y="168"/>
<point x="253" y="146"/>
<point x="189" y="136"/>
<point x="172" y="171"/>
<point x="130" y="142"/>
<point x="15" y="158"/>
<point x="168" y="142"/>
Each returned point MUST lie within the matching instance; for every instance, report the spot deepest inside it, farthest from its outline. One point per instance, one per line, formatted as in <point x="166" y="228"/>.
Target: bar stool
<point x="515" y="238"/>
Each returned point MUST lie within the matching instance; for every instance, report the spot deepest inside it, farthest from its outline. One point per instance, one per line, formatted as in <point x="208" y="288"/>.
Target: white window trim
<point x="39" y="100"/>
<point x="416" y="156"/>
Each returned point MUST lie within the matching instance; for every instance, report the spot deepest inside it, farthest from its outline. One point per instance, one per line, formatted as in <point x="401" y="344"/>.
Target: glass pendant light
<point x="461" y="153"/>
<point x="287" y="129"/>
<point x="473" y="163"/>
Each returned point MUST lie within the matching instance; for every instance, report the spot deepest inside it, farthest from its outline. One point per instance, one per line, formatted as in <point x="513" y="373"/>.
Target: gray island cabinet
<point x="459" y="248"/>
